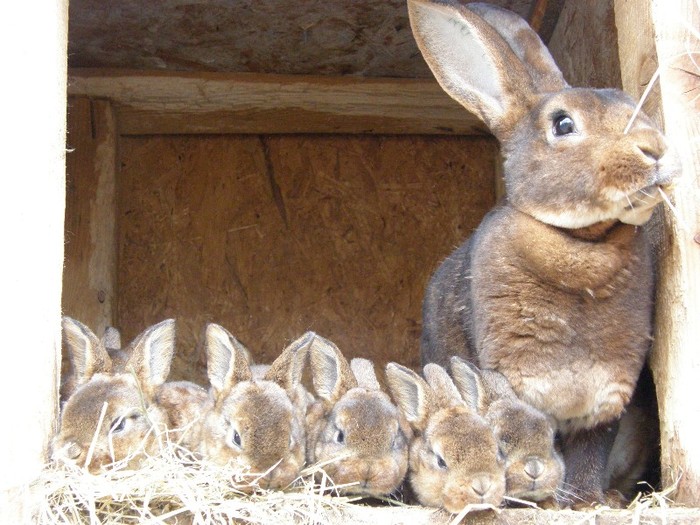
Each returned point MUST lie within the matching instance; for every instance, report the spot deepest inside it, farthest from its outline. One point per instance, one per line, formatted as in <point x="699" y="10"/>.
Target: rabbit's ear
<point x="444" y="390"/>
<point x="363" y="369"/>
<point x="227" y="363"/>
<point x="111" y="338"/>
<point x="152" y="355"/>
<point x="331" y="372"/>
<point x="475" y="65"/>
<point x="288" y="368"/>
<point x="411" y="393"/>
<point x="467" y="379"/>
<point x="526" y="44"/>
<point x="87" y="354"/>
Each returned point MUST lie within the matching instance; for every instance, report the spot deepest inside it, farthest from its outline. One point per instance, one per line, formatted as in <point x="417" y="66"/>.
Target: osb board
<point x="327" y="37"/>
<point x="274" y="235"/>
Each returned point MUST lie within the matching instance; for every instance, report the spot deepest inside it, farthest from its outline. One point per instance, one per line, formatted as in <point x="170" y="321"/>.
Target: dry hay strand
<point x="175" y="487"/>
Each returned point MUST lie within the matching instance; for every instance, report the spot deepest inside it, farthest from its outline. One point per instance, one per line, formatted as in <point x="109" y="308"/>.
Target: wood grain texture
<point x="149" y="103"/>
<point x="90" y="229"/>
<point x="271" y="236"/>
<point x="584" y="44"/>
<point x="676" y="356"/>
<point x="638" y="53"/>
<point x="654" y="32"/>
<point x="320" y="37"/>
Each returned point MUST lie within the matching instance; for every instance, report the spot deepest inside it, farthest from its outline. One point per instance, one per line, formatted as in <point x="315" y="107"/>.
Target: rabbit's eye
<point x="501" y="454"/>
<point x="236" y="439"/>
<point x="118" y="425"/>
<point x="563" y="125"/>
<point x="340" y="437"/>
<point x="440" y="461"/>
<point x="233" y="436"/>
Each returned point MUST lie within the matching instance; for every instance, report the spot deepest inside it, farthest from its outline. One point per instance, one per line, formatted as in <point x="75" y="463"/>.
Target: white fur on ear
<point x="112" y="339"/>
<point x="300" y="348"/>
<point x="525" y="43"/>
<point x="364" y="373"/>
<point x="467" y="379"/>
<point x="225" y="356"/>
<point x="153" y="353"/>
<point x="410" y="392"/>
<point x="458" y="55"/>
<point x="288" y="368"/>
<point x="87" y="355"/>
<point x="326" y="363"/>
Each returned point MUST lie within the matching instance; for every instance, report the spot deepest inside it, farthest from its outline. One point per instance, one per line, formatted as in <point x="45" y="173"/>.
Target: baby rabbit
<point x="525" y="436"/>
<point x="554" y="288"/>
<point x="454" y="458"/>
<point x="353" y="427"/>
<point x="113" y="410"/>
<point x="254" y="424"/>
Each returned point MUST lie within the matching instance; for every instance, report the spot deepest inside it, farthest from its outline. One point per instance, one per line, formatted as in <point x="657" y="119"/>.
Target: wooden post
<point x="91" y="260"/>
<point x="666" y="31"/>
<point x="31" y="223"/>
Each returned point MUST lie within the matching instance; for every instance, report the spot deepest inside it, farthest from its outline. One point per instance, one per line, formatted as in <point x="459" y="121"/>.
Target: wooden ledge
<point x="154" y="102"/>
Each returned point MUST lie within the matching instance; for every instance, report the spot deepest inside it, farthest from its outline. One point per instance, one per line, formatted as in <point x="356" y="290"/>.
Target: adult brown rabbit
<point x="554" y="289"/>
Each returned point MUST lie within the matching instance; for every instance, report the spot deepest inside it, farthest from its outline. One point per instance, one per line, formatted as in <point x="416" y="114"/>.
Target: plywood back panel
<point x="274" y="235"/>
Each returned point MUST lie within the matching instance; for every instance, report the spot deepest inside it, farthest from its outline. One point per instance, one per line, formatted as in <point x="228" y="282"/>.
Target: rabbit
<point x="554" y="288"/>
<point x="454" y="459"/>
<point x="256" y="425"/>
<point x="353" y="428"/>
<point x="525" y="436"/>
<point x="111" y="415"/>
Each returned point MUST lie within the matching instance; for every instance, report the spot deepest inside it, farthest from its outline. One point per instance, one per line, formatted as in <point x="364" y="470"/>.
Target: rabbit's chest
<point x="574" y="357"/>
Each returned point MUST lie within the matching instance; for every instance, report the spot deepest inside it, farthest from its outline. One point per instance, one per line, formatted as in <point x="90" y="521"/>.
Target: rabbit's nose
<point x="481" y="485"/>
<point x="534" y="467"/>
<point x="651" y="144"/>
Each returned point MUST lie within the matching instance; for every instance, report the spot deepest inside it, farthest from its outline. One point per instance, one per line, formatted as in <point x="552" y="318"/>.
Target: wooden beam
<point x="90" y="263"/>
<point x="149" y="103"/>
<point x="649" y="29"/>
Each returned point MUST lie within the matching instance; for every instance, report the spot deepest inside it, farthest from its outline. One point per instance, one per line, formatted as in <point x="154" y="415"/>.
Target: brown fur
<point x="554" y="289"/>
<point x="525" y="436"/>
<point x="132" y="419"/>
<point x="256" y="425"/>
<point x="183" y="401"/>
<point x="446" y="429"/>
<point x="354" y="426"/>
